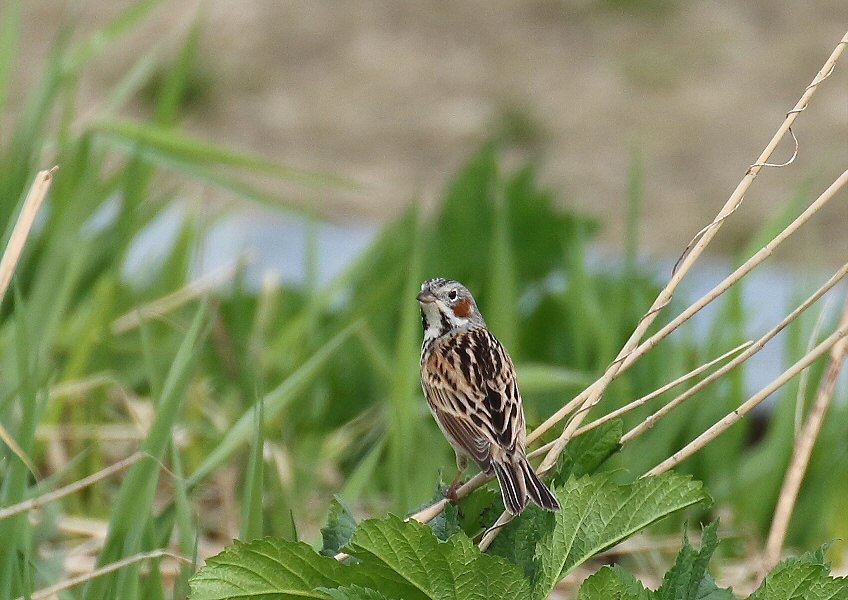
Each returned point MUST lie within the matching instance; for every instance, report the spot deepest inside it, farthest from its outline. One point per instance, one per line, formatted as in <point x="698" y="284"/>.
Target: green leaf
<point x="399" y="559"/>
<point x="613" y="583"/>
<point x="688" y="579"/>
<point x="597" y="514"/>
<point x="354" y="592"/>
<point x="339" y="528"/>
<point x="271" y="567"/>
<point x="446" y="523"/>
<point x="584" y="454"/>
<point x="804" y="578"/>
<point x="424" y="567"/>
<point x="517" y="542"/>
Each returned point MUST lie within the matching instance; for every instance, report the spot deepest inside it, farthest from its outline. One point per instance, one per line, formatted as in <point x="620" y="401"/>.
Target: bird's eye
<point x="452" y="295"/>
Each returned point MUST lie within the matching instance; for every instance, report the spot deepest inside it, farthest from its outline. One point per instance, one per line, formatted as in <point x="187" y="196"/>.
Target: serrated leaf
<point x="272" y="567"/>
<point x="480" y="509"/>
<point x="804" y="578"/>
<point x="517" y="541"/>
<point x="446" y="523"/>
<point x="584" y="454"/>
<point x="596" y="514"/>
<point x="339" y="528"/>
<point x="613" y="583"/>
<point x="410" y="553"/>
<point x="354" y="592"/>
<point x="688" y="579"/>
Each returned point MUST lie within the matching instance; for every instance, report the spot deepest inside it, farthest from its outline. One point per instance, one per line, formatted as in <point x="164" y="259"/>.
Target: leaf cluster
<point x="405" y="559"/>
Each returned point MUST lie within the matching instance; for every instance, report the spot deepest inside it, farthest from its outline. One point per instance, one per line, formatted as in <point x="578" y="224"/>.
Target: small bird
<point x="469" y="382"/>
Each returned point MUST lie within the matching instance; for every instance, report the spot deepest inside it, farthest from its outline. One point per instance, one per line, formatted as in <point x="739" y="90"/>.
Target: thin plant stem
<point x="158" y="308"/>
<point x="11" y="256"/>
<point x="735" y="416"/>
<point x="693" y="253"/>
<point x="753" y="349"/>
<point x="670" y="385"/>
<point x="43" y="499"/>
<point x="23" y="226"/>
<point x="52" y="590"/>
<point x="802" y="450"/>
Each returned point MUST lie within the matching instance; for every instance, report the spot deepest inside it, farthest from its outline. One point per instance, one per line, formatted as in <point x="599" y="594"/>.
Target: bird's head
<point x="447" y="305"/>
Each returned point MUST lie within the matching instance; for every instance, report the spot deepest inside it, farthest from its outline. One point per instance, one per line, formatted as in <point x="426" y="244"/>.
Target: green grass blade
<point x="164" y="143"/>
<point x="99" y="41"/>
<point x="501" y="311"/>
<point x="635" y="179"/>
<point x="274" y="403"/>
<point x="131" y="514"/>
<point x="251" y="503"/>
<point x="405" y="383"/>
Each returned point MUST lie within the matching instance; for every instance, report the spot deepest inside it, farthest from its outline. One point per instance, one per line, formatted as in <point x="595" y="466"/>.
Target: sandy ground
<point x="396" y="95"/>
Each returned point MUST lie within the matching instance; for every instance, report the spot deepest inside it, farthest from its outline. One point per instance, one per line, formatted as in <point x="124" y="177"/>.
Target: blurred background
<point x="396" y="96"/>
<point x="250" y="194"/>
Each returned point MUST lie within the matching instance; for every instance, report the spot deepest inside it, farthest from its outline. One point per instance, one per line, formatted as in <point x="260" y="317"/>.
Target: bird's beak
<point x="426" y="297"/>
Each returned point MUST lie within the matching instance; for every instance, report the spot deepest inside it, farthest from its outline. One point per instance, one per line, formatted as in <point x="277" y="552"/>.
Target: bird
<point x="470" y="385"/>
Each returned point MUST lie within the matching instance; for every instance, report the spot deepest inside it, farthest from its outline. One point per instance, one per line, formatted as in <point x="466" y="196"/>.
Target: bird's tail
<point x="519" y="484"/>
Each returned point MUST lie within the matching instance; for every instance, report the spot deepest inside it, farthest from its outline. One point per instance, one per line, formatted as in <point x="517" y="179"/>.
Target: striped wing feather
<point x="469" y="381"/>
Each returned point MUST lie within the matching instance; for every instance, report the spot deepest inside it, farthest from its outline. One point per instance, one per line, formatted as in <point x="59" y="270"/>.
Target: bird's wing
<point x="470" y="383"/>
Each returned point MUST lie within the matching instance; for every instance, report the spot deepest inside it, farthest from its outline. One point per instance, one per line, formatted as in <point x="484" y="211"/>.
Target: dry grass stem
<point x="43" y="499"/>
<point x="82" y="386"/>
<point x="735" y="416"/>
<point x="34" y="199"/>
<point x="802" y="451"/>
<point x="753" y="349"/>
<point x="11" y="256"/>
<point x="672" y="384"/>
<point x="629" y="355"/>
<point x="52" y="590"/>
<point x="492" y="532"/>
<point x="639" y="402"/>
<point x="740" y="272"/>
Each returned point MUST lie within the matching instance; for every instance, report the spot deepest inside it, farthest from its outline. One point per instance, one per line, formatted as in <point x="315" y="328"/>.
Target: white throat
<point x="439" y="320"/>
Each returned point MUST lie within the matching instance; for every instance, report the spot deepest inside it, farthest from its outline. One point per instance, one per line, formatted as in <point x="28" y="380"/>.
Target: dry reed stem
<point x="736" y="415"/>
<point x="43" y="499"/>
<point x="492" y="532"/>
<point x="672" y="384"/>
<point x="753" y="349"/>
<point x="11" y="255"/>
<point x="52" y="590"/>
<point x="640" y="401"/>
<point x="34" y="199"/>
<point x="802" y="451"/>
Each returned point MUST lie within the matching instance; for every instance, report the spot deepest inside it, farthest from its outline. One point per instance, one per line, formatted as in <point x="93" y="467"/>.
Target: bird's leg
<point x="450" y="494"/>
